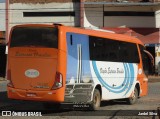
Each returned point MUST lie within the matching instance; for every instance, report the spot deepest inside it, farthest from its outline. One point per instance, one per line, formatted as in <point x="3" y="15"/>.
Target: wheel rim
<point x="133" y="98"/>
<point x="96" y="100"/>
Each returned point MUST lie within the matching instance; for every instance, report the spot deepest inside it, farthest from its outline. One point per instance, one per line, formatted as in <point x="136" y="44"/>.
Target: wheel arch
<point x="98" y="86"/>
<point x="138" y="88"/>
<point x="96" y="97"/>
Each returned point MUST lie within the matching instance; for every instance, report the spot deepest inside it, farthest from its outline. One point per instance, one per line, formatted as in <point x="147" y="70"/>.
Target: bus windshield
<point x="34" y="36"/>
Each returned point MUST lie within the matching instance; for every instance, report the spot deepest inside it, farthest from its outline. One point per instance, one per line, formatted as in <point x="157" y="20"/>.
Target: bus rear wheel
<point x="95" y="104"/>
<point x="133" y="99"/>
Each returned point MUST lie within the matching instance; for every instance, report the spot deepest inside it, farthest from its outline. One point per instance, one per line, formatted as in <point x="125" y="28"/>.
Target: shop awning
<point x="146" y="35"/>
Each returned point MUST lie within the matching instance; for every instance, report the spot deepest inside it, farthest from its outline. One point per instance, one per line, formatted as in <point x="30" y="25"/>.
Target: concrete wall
<point x="93" y="16"/>
<point x="129" y="21"/>
<point x="2" y="17"/>
<point x="17" y="9"/>
<point x="157" y="13"/>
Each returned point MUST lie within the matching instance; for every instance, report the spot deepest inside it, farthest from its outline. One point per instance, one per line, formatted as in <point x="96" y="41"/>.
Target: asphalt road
<point x="147" y="104"/>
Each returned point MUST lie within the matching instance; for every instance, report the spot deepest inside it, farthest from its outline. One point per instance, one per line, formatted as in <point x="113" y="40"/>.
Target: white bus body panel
<point x="118" y="80"/>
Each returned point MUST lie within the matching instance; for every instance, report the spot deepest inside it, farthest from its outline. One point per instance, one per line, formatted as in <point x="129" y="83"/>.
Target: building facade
<point x="2" y="20"/>
<point x="43" y="12"/>
<point x="2" y="15"/>
<point x="139" y="19"/>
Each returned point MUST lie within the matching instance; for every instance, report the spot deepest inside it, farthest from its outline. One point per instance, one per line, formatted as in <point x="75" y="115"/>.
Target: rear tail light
<point x="10" y="84"/>
<point x="58" y="81"/>
<point x="8" y="74"/>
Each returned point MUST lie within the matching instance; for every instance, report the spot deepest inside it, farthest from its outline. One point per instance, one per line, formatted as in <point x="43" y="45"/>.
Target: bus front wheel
<point x="133" y="99"/>
<point x="95" y="104"/>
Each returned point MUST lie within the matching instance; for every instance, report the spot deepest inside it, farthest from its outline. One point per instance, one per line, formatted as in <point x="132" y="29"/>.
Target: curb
<point x="2" y="79"/>
<point x="154" y="79"/>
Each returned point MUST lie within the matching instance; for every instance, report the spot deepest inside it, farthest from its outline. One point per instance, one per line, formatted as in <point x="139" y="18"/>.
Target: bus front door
<point x="79" y="82"/>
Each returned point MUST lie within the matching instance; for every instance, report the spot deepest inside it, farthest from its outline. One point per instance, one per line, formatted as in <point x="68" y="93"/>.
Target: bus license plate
<point x="31" y="94"/>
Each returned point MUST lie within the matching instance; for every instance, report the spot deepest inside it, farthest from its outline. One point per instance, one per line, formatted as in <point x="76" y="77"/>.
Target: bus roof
<point x="97" y="33"/>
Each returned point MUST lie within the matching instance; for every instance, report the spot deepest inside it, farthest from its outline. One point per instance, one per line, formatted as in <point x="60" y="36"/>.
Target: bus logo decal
<point x="129" y="73"/>
<point x="32" y="73"/>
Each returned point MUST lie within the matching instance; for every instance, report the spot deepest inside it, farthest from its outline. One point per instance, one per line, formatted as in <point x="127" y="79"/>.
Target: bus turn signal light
<point x="58" y="81"/>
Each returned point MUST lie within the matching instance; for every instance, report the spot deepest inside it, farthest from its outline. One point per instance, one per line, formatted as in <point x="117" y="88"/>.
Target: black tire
<point x="95" y="104"/>
<point x="52" y="106"/>
<point x="132" y="100"/>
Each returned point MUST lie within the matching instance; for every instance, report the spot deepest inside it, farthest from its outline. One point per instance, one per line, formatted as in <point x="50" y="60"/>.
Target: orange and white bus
<point x="55" y="63"/>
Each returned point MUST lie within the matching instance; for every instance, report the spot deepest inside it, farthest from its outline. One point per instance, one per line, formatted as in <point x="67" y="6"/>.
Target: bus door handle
<point x="113" y="85"/>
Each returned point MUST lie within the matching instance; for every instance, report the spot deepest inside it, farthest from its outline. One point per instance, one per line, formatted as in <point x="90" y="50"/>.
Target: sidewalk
<point x="3" y="84"/>
<point x="153" y="79"/>
<point x="2" y="79"/>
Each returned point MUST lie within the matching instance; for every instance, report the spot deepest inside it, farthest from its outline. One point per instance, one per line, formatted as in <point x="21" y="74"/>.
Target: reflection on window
<point x="103" y="49"/>
<point x="34" y="36"/>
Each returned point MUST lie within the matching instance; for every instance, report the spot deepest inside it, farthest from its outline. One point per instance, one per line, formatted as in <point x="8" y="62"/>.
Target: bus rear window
<point x="34" y="36"/>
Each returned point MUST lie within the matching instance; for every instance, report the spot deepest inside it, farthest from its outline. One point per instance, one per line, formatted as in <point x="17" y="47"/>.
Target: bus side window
<point x="71" y="40"/>
<point x="147" y="61"/>
<point x="128" y="52"/>
<point x="103" y="49"/>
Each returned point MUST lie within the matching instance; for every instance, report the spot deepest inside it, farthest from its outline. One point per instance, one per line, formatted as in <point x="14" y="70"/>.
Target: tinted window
<point x="147" y="63"/>
<point x="34" y="36"/>
<point x="128" y="52"/>
<point x="102" y="49"/>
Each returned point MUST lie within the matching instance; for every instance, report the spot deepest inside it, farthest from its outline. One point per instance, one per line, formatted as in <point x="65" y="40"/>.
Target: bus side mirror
<point x="149" y="63"/>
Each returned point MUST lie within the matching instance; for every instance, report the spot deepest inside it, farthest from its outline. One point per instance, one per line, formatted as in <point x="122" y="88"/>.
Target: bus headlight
<point x="86" y="79"/>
